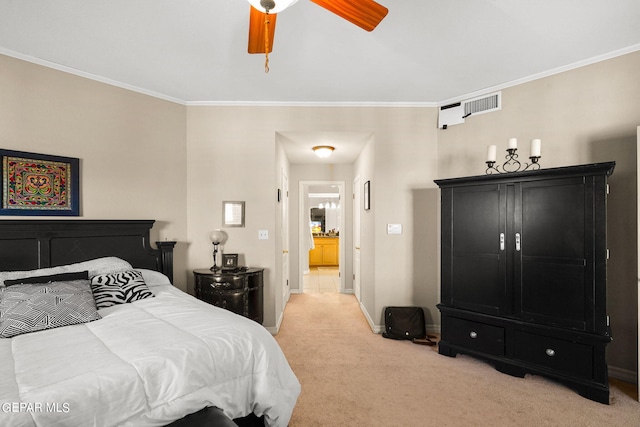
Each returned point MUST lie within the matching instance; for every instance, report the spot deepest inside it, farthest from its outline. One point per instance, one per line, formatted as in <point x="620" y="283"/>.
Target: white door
<point x="356" y="237"/>
<point x="284" y="205"/>
<point x="638" y="222"/>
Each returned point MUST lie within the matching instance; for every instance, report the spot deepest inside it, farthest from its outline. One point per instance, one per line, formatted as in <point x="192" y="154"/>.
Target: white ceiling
<point x="423" y="52"/>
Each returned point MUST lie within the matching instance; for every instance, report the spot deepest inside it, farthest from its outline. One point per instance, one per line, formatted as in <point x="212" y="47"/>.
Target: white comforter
<point x="145" y="364"/>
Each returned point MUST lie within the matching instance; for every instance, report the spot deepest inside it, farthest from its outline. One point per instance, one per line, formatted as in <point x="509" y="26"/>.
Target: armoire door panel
<point x="556" y="286"/>
<point x="478" y="261"/>
<point x="477" y="220"/>
<point x="479" y="284"/>
<point x="555" y="293"/>
<point x="553" y="219"/>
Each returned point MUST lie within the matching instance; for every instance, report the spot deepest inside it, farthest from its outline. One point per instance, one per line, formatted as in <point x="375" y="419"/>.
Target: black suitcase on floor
<point x="404" y="323"/>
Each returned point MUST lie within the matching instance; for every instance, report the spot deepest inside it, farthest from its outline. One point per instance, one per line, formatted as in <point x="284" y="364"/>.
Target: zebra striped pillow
<point x="119" y="288"/>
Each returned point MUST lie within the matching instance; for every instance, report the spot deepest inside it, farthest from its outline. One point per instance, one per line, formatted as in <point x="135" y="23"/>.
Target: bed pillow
<point x="153" y="278"/>
<point x="60" y="277"/>
<point x="105" y="265"/>
<point x="35" y="307"/>
<point x="119" y="288"/>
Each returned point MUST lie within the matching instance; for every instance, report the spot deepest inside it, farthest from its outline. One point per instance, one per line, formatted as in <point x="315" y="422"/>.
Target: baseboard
<point x="623" y="374"/>
<point x="433" y="329"/>
<point x="377" y="329"/>
<point x="273" y="330"/>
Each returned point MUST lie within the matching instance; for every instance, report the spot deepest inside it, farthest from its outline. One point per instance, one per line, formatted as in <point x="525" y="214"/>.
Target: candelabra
<point x="512" y="164"/>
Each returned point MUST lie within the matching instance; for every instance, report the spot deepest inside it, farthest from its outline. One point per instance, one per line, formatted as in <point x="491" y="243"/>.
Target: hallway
<point x="322" y="280"/>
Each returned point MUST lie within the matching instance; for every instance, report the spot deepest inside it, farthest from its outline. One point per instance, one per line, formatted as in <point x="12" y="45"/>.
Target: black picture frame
<point x="36" y="184"/>
<point x="367" y="195"/>
<point x="229" y="260"/>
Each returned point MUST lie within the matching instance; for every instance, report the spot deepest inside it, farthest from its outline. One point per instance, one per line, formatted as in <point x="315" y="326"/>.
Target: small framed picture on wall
<point x="367" y="195"/>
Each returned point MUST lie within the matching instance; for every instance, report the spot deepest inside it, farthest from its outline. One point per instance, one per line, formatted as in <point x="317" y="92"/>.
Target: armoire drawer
<point x="475" y="336"/>
<point x="557" y="354"/>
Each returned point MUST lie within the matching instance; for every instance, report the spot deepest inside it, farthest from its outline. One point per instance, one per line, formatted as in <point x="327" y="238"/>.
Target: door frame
<point x="285" y="237"/>
<point x="303" y="231"/>
<point x="356" y="237"/>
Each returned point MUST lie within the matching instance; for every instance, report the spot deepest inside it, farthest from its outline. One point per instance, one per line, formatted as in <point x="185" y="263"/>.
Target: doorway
<point x="322" y="236"/>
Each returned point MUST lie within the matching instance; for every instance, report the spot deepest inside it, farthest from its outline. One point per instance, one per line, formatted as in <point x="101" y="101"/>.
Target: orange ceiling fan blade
<point x="366" y="14"/>
<point x="257" y="31"/>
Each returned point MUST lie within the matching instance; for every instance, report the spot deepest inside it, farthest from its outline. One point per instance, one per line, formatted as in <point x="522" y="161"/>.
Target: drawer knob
<point x="550" y="352"/>
<point x="219" y="285"/>
<point x="473" y="334"/>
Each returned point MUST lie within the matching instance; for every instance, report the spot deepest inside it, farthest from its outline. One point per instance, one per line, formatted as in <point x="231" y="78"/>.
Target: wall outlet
<point x="263" y="234"/>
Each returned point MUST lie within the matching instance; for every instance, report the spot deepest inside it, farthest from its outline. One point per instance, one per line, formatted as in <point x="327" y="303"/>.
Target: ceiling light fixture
<point x="323" y="151"/>
<point x="270" y="6"/>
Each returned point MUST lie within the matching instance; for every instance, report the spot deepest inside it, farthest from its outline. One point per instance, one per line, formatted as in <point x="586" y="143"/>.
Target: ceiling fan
<point x="366" y="14"/>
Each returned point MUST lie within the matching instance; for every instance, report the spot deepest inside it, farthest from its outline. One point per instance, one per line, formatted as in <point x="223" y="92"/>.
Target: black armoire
<point x="523" y="285"/>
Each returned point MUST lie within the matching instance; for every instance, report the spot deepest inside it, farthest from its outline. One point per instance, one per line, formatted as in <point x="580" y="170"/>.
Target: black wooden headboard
<point x="31" y="244"/>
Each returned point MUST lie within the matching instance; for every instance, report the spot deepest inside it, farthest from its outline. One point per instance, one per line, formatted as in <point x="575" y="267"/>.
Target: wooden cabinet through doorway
<point x="326" y="252"/>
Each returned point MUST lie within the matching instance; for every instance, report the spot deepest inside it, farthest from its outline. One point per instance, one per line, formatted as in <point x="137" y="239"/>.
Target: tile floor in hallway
<point x="321" y="279"/>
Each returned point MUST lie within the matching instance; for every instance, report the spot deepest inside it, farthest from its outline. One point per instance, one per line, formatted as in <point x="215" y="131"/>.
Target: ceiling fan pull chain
<point x="266" y="42"/>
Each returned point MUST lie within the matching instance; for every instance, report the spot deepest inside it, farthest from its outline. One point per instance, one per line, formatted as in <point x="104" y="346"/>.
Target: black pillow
<point x="60" y="277"/>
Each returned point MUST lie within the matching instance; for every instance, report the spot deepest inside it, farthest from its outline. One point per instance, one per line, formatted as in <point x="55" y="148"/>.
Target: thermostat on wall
<point x="394" y="228"/>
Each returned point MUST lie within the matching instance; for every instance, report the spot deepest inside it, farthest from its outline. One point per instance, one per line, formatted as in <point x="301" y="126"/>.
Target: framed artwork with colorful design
<point x="39" y="184"/>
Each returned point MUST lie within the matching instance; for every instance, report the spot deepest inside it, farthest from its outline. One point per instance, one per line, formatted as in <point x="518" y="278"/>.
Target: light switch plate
<point x="394" y="228"/>
<point x="263" y="234"/>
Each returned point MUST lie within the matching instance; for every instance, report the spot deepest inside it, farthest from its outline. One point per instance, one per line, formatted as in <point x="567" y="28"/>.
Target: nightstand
<point x="238" y="291"/>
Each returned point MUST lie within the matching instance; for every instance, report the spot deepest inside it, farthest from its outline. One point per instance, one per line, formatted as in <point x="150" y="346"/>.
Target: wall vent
<point x="483" y="104"/>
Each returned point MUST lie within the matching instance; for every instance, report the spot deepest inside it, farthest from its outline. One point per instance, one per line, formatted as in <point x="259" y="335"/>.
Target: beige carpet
<point x="353" y="377"/>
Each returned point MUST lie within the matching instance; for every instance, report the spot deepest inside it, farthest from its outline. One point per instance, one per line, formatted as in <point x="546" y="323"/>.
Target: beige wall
<point x="232" y="154"/>
<point x="147" y="158"/>
<point x="586" y="115"/>
<point x="131" y="147"/>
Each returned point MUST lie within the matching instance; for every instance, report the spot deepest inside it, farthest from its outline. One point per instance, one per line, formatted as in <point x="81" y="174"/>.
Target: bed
<point x="160" y="359"/>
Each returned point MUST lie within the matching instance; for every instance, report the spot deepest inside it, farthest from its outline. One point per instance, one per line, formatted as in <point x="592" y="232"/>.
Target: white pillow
<point x="106" y="265"/>
<point x="154" y="278"/>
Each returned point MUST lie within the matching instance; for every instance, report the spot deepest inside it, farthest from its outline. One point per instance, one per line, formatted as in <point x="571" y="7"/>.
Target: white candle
<point x="513" y="143"/>
<point x="535" y="148"/>
<point x="491" y="153"/>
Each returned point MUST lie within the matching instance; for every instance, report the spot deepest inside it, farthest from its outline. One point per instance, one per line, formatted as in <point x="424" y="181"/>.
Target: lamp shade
<point x="280" y="5"/>
<point x="216" y="236"/>
<point x="323" y="151"/>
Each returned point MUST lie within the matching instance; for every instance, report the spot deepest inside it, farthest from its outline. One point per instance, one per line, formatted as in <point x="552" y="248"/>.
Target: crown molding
<point x="76" y="72"/>
<point x="434" y="104"/>
<point x="537" y="76"/>
<point x="310" y="104"/>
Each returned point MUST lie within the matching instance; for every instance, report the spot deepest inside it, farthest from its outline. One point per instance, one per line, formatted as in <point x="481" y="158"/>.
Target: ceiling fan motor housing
<point x="268" y="4"/>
